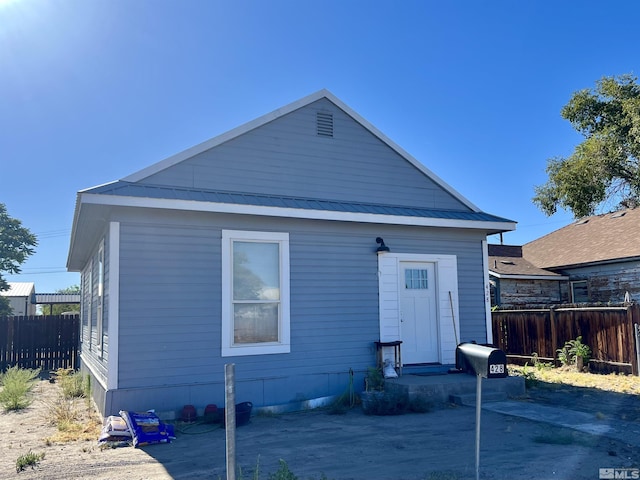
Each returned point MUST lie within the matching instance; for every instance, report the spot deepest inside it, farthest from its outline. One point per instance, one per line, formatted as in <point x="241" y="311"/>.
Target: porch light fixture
<point x="382" y="247"/>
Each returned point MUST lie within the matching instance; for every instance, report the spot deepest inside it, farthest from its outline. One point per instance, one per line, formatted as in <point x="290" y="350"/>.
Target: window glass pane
<point x="255" y="323"/>
<point x="415" y="278"/>
<point x="580" y="292"/>
<point x="256" y="272"/>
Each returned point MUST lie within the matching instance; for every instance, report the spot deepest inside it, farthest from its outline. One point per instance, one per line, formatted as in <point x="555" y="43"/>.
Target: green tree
<point x="63" y="307"/>
<point x="605" y="167"/>
<point x="16" y="245"/>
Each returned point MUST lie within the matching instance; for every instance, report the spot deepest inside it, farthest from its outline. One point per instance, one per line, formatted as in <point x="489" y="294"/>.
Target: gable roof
<point x="141" y="190"/>
<point x="19" y="289"/>
<point x="506" y="261"/>
<point x="281" y="112"/>
<point x="600" y="238"/>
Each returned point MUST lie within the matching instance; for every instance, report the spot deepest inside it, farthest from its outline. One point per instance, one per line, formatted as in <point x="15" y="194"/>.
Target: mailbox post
<point x="483" y="362"/>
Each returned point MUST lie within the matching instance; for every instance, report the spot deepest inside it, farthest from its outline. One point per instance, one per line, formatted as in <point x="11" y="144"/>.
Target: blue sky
<point x="93" y="90"/>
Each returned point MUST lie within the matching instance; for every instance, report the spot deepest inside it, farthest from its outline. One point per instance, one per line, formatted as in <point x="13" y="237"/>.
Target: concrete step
<point x="438" y="389"/>
<point x="469" y="399"/>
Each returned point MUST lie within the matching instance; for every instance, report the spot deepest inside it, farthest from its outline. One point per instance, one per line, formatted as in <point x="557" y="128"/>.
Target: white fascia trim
<point x="280" y="112"/>
<point x="487" y="292"/>
<point x="190" y="205"/>
<point x="529" y="277"/>
<point x="114" y="302"/>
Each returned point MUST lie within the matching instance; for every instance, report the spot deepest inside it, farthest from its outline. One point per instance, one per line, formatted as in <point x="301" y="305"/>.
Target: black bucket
<point x="243" y="414"/>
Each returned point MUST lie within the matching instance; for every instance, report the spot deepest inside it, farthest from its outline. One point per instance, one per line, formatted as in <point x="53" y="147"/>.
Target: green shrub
<point x="564" y="356"/>
<point x="539" y="364"/>
<point x="17" y="384"/>
<point x="283" y="473"/>
<point x="530" y="379"/>
<point x="29" y="459"/>
<point x="374" y="381"/>
<point x="573" y="349"/>
<point x="579" y="349"/>
<point x="73" y="384"/>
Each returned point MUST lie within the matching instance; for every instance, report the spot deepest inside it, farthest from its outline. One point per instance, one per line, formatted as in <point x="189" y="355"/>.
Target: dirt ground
<point x="434" y="445"/>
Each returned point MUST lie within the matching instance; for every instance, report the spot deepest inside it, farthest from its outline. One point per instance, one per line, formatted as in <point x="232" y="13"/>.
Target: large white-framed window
<point x="255" y="293"/>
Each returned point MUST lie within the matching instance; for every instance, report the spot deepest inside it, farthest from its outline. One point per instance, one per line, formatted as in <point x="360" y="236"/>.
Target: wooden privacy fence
<point x="46" y="342"/>
<point x="611" y="333"/>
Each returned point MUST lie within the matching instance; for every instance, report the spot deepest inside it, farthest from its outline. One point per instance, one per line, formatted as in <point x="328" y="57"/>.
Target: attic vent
<point x="324" y="124"/>
<point x="507" y="262"/>
<point x="583" y="221"/>
<point x="618" y="214"/>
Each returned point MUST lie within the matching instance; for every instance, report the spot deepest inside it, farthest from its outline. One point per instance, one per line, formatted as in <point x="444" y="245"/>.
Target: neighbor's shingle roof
<point x="507" y="260"/>
<point x="127" y="189"/>
<point x="600" y="238"/>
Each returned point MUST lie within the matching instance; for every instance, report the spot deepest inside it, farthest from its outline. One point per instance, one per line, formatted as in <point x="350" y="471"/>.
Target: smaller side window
<point x="579" y="292"/>
<point x="100" y="298"/>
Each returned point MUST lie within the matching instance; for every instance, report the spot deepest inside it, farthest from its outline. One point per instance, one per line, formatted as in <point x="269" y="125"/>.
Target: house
<point x="518" y="283"/>
<point x="21" y="296"/>
<point x="599" y="254"/>
<point x="287" y="247"/>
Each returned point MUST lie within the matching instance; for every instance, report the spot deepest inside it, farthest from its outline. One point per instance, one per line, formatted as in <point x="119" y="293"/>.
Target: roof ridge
<point x="282" y="111"/>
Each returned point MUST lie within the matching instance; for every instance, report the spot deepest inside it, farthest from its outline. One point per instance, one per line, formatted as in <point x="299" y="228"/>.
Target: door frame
<point x="446" y="273"/>
<point x="433" y="325"/>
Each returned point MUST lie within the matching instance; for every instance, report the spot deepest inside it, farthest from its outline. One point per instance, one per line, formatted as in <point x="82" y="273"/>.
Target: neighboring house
<point x="21" y="297"/>
<point x="260" y="248"/>
<point x="517" y="283"/>
<point x="599" y="254"/>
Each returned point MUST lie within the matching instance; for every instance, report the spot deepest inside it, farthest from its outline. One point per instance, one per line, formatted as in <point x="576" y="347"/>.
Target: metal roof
<point x="57" y="298"/>
<point x="19" y="289"/>
<point x="128" y="189"/>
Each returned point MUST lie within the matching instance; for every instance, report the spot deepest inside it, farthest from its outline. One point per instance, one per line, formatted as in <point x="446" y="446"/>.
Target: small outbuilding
<point x="21" y="296"/>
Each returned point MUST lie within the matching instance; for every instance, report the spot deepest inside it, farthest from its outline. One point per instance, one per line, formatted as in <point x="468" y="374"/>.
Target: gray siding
<point x="93" y="357"/>
<point x="609" y="282"/>
<point x="170" y="307"/>
<point x="530" y="293"/>
<point x="286" y="157"/>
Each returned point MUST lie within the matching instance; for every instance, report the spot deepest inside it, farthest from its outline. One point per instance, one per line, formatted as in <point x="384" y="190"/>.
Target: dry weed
<point x="612" y="382"/>
<point x="74" y="418"/>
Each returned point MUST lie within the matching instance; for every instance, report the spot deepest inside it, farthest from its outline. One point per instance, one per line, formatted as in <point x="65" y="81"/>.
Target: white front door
<point x="418" y="317"/>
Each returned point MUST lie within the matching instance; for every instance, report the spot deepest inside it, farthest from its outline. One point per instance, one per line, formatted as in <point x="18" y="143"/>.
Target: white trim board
<point x="114" y="305"/>
<point x="487" y="292"/>
<point x="196" y="206"/>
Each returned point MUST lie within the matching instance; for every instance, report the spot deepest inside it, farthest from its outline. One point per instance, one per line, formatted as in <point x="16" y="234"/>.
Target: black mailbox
<point x="487" y="362"/>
